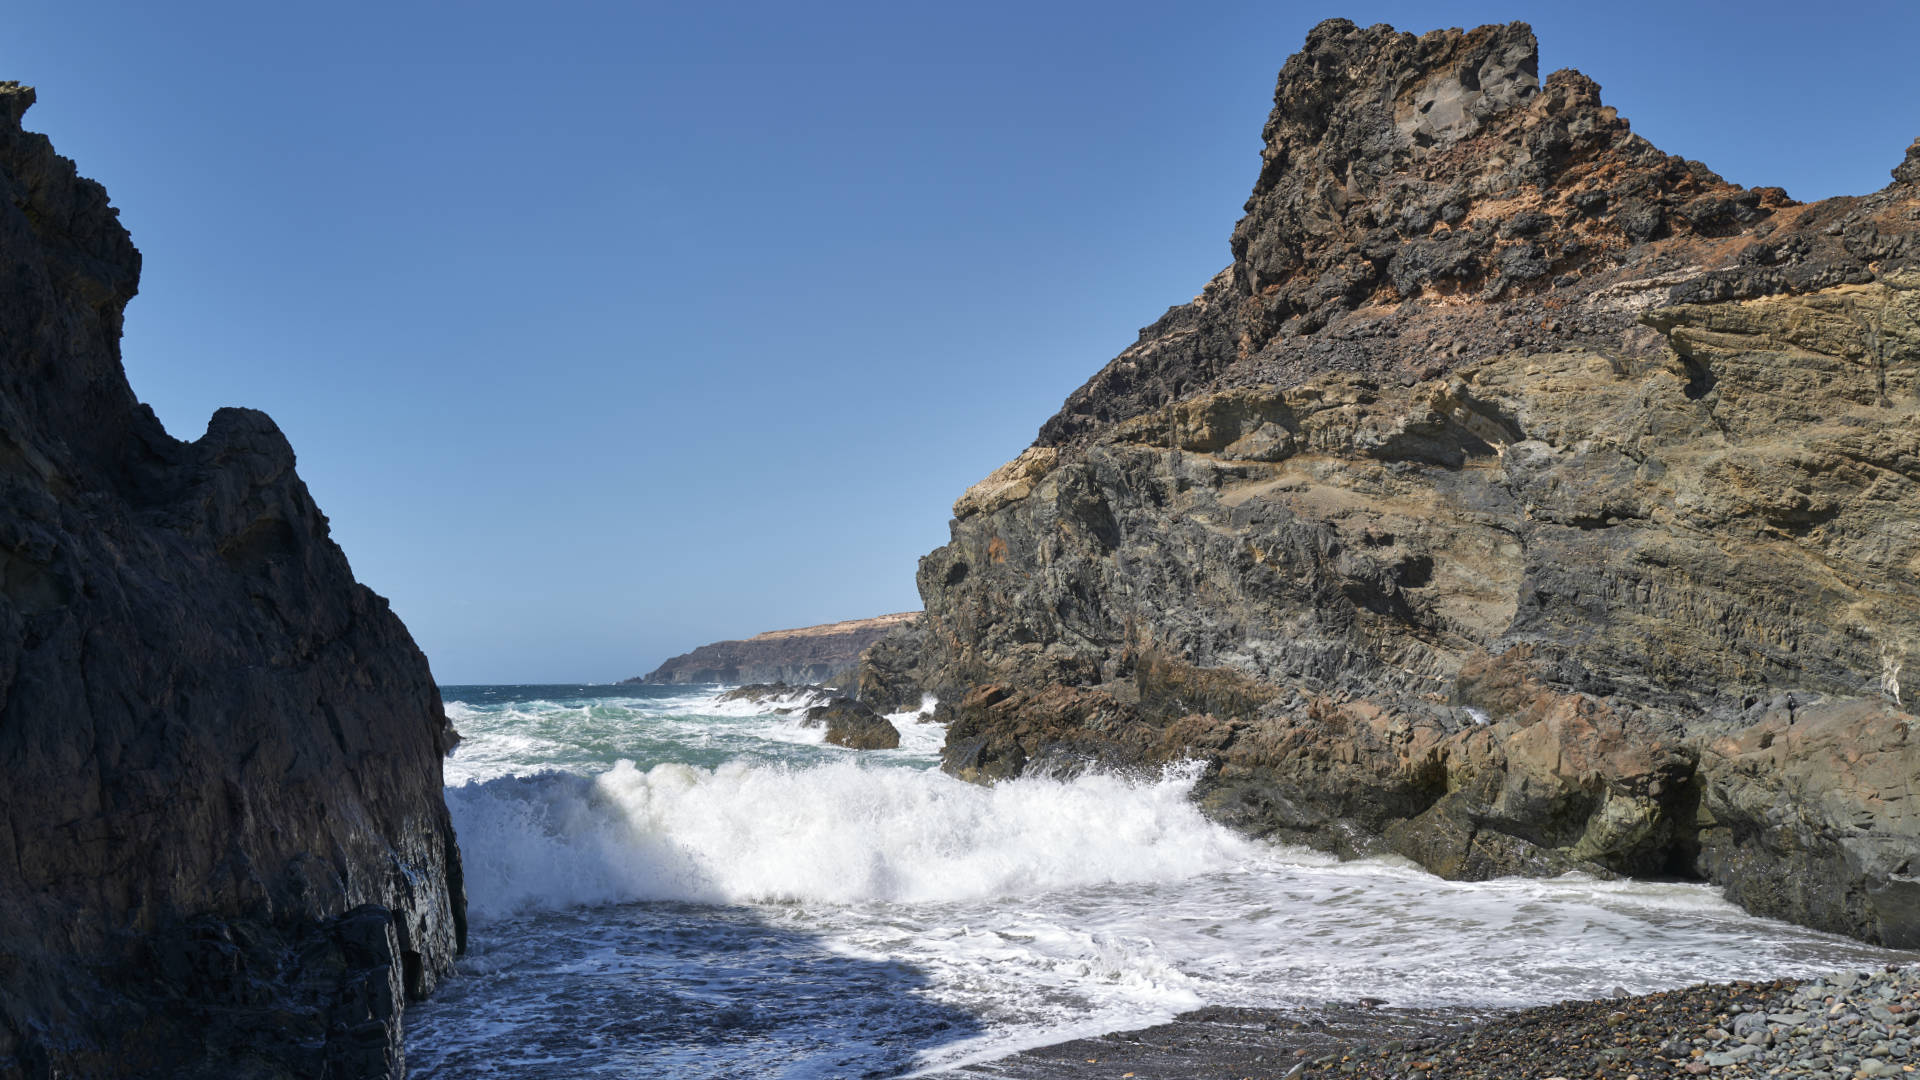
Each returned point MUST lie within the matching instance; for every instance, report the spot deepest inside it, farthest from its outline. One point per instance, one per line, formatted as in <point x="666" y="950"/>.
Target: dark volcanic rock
<point x="889" y="673"/>
<point x="853" y="725"/>
<point x="1908" y="171"/>
<point x="1424" y="202"/>
<point x="1521" y="498"/>
<point x="225" y="848"/>
<point x="810" y="654"/>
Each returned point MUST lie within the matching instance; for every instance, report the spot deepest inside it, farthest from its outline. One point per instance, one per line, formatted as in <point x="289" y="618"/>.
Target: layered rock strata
<point x="225" y="850"/>
<point x="827" y="653"/>
<point x="1520" y="499"/>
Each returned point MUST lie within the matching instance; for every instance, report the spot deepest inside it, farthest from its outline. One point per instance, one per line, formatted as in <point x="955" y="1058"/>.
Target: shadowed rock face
<point x="224" y="849"/>
<point x="1520" y="499"/>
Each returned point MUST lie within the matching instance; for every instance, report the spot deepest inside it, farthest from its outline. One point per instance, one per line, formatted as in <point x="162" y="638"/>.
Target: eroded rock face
<point x="1507" y="503"/>
<point x="225" y="847"/>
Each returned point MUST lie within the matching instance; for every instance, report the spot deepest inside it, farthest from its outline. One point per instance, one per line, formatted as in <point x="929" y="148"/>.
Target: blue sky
<point x="605" y="330"/>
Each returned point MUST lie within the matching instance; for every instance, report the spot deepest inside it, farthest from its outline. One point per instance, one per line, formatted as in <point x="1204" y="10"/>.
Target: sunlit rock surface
<point x="807" y="654"/>
<point x="1521" y="499"/>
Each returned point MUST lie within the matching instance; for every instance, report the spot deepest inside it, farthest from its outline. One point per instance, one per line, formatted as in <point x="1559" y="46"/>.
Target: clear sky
<point x="606" y="330"/>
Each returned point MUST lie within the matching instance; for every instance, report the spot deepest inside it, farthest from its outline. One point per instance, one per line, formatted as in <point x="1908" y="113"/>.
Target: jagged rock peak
<point x="1375" y="93"/>
<point x="1908" y="171"/>
<point x="1398" y="165"/>
<point x="15" y="100"/>
<point x="1428" y="200"/>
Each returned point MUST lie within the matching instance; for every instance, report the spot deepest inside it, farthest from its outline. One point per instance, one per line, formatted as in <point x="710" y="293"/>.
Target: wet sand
<point x="1226" y="1042"/>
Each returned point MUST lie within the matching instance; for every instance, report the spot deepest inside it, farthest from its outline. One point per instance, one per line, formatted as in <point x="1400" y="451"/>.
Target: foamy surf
<point x="660" y="889"/>
<point x="798" y="700"/>
<point x="587" y="732"/>
<point x="836" y="833"/>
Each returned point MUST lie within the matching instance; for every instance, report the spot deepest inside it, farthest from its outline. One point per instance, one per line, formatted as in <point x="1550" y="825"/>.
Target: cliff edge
<point x="225" y="848"/>
<point x="806" y="654"/>
<point x="1521" y="499"/>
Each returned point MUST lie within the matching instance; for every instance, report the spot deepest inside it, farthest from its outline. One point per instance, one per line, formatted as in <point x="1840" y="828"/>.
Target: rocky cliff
<point x="1520" y="499"/>
<point x="809" y="654"/>
<point x="224" y="849"/>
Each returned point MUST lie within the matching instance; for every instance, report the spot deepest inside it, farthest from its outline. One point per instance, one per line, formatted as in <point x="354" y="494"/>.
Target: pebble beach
<point x="1849" y="1025"/>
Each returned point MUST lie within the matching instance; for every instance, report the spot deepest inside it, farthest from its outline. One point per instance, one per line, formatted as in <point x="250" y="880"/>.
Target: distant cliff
<point x="809" y="654"/>
<point x="1519" y="499"/>
<point x="224" y="849"/>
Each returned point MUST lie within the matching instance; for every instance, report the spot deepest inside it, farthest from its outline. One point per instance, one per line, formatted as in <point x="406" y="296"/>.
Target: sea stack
<point x="226" y="851"/>
<point x="1520" y="499"/>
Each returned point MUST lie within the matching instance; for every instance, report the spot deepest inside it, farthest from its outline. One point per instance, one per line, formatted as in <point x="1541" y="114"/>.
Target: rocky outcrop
<point x="854" y="726"/>
<point x="225" y="849"/>
<point x="829" y="653"/>
<point x="1521" y="498"/>
<point x="849" y="722"/>
<point x="890" y="672"/>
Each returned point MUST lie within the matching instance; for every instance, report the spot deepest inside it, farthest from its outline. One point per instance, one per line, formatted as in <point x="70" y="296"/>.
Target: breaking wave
<point x="833" y="833"/>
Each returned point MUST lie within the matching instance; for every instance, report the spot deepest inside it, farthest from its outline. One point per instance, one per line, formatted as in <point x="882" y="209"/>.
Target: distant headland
<point x="806" y="654"/>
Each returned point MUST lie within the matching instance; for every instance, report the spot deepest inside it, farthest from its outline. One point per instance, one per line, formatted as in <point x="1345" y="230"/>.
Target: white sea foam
<point x="918" y="733"/>
<point x="1029" y="912"/>
<point x="485" y="755"/>
<point x="928" y="703"/>
<point x="782" y="720"/>
<point x="835" y="833"/>
<point x="1051" y="909"/>
<point x="797" y="700"/>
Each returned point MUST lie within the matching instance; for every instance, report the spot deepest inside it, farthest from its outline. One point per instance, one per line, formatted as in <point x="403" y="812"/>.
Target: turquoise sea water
<point x="663" y="885"/>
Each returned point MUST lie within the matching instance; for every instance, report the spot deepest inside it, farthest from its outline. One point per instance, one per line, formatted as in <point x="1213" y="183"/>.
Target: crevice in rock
<point x="1700" y="378"/>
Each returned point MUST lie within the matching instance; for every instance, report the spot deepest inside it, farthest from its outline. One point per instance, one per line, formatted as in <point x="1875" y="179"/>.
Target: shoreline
<point x="1850" y="1024"/>
<point x="1224" y="1040"/>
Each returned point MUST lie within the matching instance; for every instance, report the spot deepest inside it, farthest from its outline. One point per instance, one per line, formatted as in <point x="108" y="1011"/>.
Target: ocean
<point x="664" y="885"/>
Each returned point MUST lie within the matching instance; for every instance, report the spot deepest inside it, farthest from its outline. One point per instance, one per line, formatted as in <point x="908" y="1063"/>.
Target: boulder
<point x="853" y="725"/>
